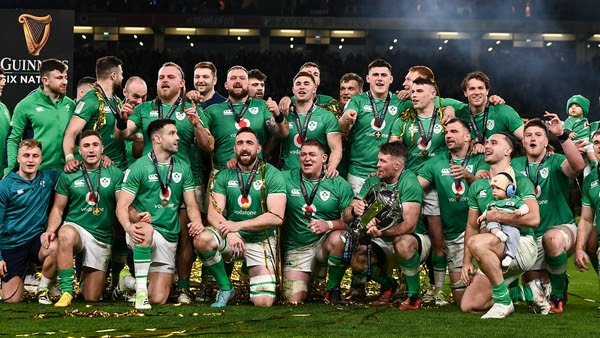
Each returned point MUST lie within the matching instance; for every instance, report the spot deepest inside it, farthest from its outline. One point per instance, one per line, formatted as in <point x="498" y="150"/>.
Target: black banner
<point x="29" y="37"/>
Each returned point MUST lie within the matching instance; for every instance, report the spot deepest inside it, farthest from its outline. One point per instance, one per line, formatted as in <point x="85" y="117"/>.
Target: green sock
<point x="142" y="257"/>
<point x="500" y="294"/>
<point x="520" y="293"/>
<point x="336" y="271"/>
<point x="65" y="280"/>
<point x="216" y="266"/>
<point x="439" y="270"/>
<point x="410" y="269"/>
<point x="557" y="269"/>
<point x="183" y="284"/>
<point x="380" y="276"/>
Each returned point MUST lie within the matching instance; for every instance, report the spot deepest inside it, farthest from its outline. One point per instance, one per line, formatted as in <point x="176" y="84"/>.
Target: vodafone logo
<point x="165" y="196"/>
<point x="538" y="191"/>
<point x="243" y="123"/>
<point x="244" y="200"/>
<point x="374" y="125"/>
<point x="298" y="140"/>
<point x="89" y="198"/>
<point x="460" y="189"/>
<point x="421" y="144"/>
<point x="309" y="208"/>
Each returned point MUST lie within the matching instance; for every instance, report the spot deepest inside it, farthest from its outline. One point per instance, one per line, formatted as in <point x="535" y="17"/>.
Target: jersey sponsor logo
<point x="367" y="108"/>
<point x="165" y="196"/>
<point x="490" y="124"/>
<point x="538" y="191"/>
<point x="105" y="182"/>
<point x="253" y="110"/>
<point x="232" y="183"/>
<point x="393" y="110"/>
<point x="437" y="128"/>
<point x="153" y="113"/>
<point x="422" y="146"/>
<point x="461" y="189"/>
<point x="544" y="172"/>
<point x="89" y="198"/>
<point x="243" y="123"/>
<point x="257" y="185"/>
<point x="309" y="208"/>
<point x="241" y="201"/>
<point x="298" y="140"/>
<point x="79" y="107"/>
<point x="296" y="192"/>
<point x="153" y="178"/>
<point x="180" y="115"/>
<point x="482" y="194"/>
<point x="78" y="183"/>
<point x="177" y="177"/>
<point x="324" y="195"/>
<point x="312" y="125"/>
<point x="39" y="109"/>
<point x="375" y="127"/>
<point x="227" y="112"/>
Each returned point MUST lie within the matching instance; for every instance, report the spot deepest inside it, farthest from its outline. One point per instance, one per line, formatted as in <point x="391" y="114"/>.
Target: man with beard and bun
<point x="550" y="174"/>
<point x="99" y="110"/>
<point x="205" y="79"/>
<point x="313" y="209"/>
<point x="307" y="120"/>
<point x="248" y="205"/>
<point x="405" y="243"/>
<point x="240" y="111"/>
<point x="24" y="198"/>
<point x="158" y="183"/>
<point x="256" y="83"/>
<point x="488" y="288"/>
<point x="47" y="111"/>
<point x="90" y="194"/>
<point x="170" y="104"/>
<point x="368" y="118"/>
<point x="451" y="174"/>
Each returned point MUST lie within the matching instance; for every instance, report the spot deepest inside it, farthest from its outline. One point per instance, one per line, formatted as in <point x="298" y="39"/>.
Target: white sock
<point x="45" y="282"/>
<point x="129" y="282"/>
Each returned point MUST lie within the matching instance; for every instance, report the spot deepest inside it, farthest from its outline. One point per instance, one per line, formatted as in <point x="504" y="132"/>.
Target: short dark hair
<point x="478" y="75"/>
<point x="207" y="65"/>
<point x="353" y="76"/>
<point x="85" y="81"/>
<point x="536" y="122"/>
<point x="307" y="74"/>
<point x="246" y="130"/>
<point x="422" y="70"/>
<point x="310" y="64"/>
<point x="257" y="74"/>
<point x="49" y="65"/>
<point x="512" y="142"/>
<point x="313" y="142"/>
<point x="421" y="80"/>
<point x="88" y="133"/>
<point x="157" y="125"/>
<point x="394" y="149"/>
<point x="380" y="63"/>
<point x="462" y="122"/>
<point x="106" y="65"/>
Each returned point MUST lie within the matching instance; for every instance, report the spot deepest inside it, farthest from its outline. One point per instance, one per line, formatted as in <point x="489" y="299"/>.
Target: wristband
<point x="330" y="225"/>
<point x="279" y="118"/>
<point x="121" y="124"/>
<point x="69" y="157"/>
<point x="565" y="136"/>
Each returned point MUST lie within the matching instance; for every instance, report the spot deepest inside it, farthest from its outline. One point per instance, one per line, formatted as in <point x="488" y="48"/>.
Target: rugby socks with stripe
<point x="500" y="294"/>
<point x="65" y="280"/>
<point x="336" y="271"/>
<point x="142" y="257"/>
<point x="213" y="261"/>
<point x="557" y="269"/>
<point x="410" y="269"/>
<point x="521" y="293"/>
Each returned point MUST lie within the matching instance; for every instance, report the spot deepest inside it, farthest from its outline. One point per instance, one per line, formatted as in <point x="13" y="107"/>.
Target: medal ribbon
<point x="464" y="165"/>
<point x="114" y="110"/>
<point x="302" y="132"/>
<point x="427" y="138"/>
<point x="245" y="188"/>
<point x="88" y="182"/>
<point x="379" y="119"/>
<point x="537" y="171"/>
<point x="238" y="117"/>
<point x="479" y="133"/>
<point x="164" y="187"/>
<point x="309" y="199"/>
<point x="170" y="113"/>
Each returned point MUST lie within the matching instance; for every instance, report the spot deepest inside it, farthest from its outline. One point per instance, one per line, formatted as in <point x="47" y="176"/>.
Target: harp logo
<point x="36" y="30"/>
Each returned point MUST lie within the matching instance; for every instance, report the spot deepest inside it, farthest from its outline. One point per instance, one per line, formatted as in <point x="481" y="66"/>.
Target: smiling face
<point x="497" y="149"/>
<point x="312" y="159"/>
<point x="237" y="84"/>
<point x="204" y="80"/>
<point x="379" y="80"/>
<point x="246" y="148"/>
<point x="304" y="89"/>
<point x="477" y="94"/>
<point x="29" y="159"/>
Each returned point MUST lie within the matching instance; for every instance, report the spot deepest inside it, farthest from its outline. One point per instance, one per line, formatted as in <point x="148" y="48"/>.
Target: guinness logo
<point x="36" y="30"/>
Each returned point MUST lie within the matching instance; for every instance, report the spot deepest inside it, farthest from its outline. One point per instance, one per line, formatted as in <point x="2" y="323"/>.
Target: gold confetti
<point x="151" y="330"/>
<point x="301" y="315"/>
<point x="106" y="330"/>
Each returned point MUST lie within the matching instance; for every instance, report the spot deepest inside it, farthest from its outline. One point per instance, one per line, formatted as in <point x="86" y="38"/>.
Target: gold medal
<point x="245" y="205"/>
<point x="164" y="202"/>
<point x="96" y="210"/>
<point x="308" y="214"/>
<point x="377" y="134"/>
<point x="457" y="196"/>
<point x="425" y="152"/>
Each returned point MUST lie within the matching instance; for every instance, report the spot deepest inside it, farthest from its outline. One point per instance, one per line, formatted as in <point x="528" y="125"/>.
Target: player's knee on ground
<point x="262" y="290"/>
<point x="294" y="290"/>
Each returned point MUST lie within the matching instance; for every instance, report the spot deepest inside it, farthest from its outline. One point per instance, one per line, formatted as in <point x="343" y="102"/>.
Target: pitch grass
<point x="313" y="319"/>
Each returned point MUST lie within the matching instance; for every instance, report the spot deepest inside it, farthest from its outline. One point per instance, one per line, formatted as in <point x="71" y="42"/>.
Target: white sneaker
<point x="31" y="283"/>
<point x="44" y="297"/>
<point x="499" y="311"/>
<point x="540" y="301"/>
<point x="185" y="296"/>
<point x="439" y="301"/>
<point x="506" y="261"/>
<point x="429" y="296"/>
<point x="141" y="301"/>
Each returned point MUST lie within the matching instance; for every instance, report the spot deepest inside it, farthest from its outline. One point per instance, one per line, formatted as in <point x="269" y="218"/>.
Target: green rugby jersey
<point x="501" y="118"/>
<point x="590" y="196"/>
